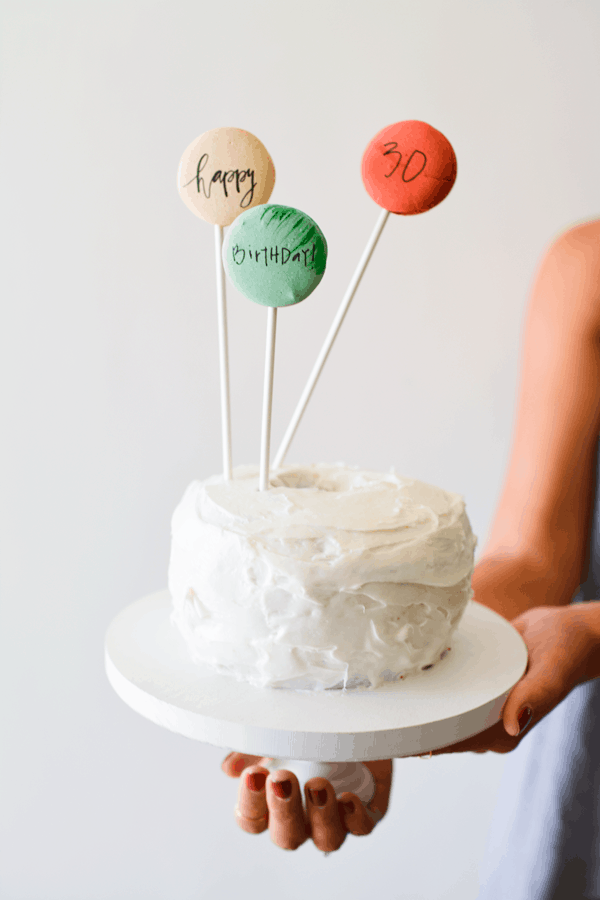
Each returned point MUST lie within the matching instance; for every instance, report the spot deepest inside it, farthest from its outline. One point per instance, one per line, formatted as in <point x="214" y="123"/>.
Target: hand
<point x="563" y="652"/>
<point x="273" y="801"/>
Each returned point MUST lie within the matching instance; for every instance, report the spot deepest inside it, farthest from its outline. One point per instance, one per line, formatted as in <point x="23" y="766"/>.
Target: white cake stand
<point x="315" y="732"/>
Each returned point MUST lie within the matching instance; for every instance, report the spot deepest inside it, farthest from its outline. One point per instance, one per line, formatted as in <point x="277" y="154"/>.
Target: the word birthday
<point x="274" y="255"/>
<point x="234" y="177"/>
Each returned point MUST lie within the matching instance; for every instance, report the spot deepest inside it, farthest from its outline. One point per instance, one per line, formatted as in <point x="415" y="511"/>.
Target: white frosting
<point x="333" y="577"/>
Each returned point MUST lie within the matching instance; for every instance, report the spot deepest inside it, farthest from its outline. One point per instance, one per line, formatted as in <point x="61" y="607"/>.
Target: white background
<point x="109" y="378"/>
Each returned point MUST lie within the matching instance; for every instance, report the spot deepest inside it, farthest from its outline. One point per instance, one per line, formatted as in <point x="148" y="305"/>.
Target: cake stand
<point x="313" y="733"/>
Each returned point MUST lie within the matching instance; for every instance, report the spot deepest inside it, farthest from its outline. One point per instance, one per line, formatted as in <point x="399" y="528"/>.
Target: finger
<point x="251" y="811"/>
<point x="539" y="691"/>
<point x="327" y="830"/>
<point x="382" y="770"/>
<point x="235" y="763"/>
<point x="517" y="720"/>
<point x="287" y="824"/>
<point x="353" y="815"/>
<point x="495" y="739"/>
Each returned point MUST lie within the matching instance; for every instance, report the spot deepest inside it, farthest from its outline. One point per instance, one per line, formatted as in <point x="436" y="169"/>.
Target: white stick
<point x="335" y="327"/>
<point x="265" y="440"/>
<point x="223" y="355"/>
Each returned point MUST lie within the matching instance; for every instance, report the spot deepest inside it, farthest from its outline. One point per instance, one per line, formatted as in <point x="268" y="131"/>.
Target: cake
<point x="335" y="577"/>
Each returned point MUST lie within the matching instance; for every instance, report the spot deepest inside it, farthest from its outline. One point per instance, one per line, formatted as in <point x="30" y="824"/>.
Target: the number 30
<point x="393" y="149"/>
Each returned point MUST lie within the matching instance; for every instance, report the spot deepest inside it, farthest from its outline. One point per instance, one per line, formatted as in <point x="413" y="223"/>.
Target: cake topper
<point x="407" y="168"/>
<point x="275" y="256"/>
<point x="222" y="173"/>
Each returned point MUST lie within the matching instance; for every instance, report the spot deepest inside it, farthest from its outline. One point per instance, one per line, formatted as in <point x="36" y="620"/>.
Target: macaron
<point x="409" y="167"/>
<point x="275" y="255"/>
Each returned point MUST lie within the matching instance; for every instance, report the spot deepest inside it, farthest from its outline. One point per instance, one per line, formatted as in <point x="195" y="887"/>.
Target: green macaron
<point x="275" y="255"/>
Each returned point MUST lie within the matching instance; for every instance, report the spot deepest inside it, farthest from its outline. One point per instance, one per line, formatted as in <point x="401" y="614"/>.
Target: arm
<point x="533" y="561"/>
<point x="538" y="541"/>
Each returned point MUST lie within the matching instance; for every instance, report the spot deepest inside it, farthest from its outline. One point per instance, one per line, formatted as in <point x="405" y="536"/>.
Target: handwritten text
<point x="274" y="255"/>
<point x="416" y="154"/>
<point x="234" y="177"/>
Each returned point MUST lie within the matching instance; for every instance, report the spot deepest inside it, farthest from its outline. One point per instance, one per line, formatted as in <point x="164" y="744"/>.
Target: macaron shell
<point x="224" y="172"/>
<point x="409" y="167"/>
<point x="275" y="255"/>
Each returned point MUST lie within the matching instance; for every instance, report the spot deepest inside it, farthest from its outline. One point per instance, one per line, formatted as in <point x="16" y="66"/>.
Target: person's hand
<point x="273" y="801"/>
<point x="563" y="652"/>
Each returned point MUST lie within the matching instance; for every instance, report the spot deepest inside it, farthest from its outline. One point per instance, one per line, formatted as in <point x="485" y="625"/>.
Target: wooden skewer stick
<point x="331" y="336"/>
<point x="265" y="441"/>
<point x="223" y="355"/>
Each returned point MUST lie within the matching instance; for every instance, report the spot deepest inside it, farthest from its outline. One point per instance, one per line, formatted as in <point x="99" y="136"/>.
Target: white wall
<point x="110" y="400"/>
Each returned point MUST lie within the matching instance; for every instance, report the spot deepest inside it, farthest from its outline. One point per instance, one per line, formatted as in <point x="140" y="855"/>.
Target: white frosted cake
<point x="334" y="577"/>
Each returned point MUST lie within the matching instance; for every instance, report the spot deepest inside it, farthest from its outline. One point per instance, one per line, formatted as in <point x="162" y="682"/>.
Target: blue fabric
<point x="544" y="839"/>
<point x="544" y="843"/>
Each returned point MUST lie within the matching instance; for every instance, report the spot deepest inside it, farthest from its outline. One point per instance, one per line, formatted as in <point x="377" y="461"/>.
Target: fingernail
<point x="239" y="765"/>
<point x="524" y="718"/>
<point x="318" y="798"/>
<point x="282" y="789"/>
<point x="256" y="781"/>
<point x="348" y="806"/>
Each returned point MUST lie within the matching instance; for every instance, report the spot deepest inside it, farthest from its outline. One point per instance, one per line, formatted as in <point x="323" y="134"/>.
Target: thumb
<point x="516" y="723"/>
<point x="535" y="695"/>
<point x="235" y="763"/>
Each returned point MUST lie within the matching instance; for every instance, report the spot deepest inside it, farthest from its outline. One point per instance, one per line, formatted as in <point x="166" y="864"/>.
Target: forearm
<point x="512" y="583"/>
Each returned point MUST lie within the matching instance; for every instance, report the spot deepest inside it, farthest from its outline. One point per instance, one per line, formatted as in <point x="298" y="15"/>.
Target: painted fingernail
<point x="318" y="798"/>
<point x="282" y="789"/>
<point x="239" y="765"/>
<point x="256" y="781"/>
<point x="524" y="718"/>
<point x="349" y="807"/>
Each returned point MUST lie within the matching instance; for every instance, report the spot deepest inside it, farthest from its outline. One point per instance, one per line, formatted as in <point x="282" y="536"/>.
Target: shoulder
<point x="579" y="243"/>
<point x="568" y="282"/>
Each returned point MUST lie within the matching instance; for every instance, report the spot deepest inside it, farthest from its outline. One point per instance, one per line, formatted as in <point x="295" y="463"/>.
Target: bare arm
<point x="534" y="558"/>
<point x="538" y="540"/>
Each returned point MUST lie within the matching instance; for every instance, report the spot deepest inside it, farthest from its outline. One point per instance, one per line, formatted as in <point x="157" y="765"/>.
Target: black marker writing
<point x="417" y="161"/>
<point x="393" y="145"/>
<point x="234" y="177"/>
<point x="272" y="255"/>
<point x="414" y="155"/>
<point x="257" y="252"/>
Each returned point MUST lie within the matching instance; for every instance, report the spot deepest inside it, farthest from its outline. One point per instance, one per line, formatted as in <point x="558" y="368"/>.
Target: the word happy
<point x="234" y="178"/>
<point x="274" y="255"/>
